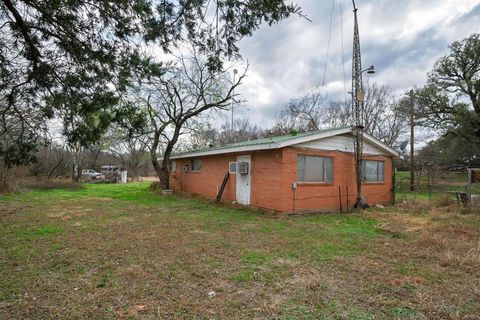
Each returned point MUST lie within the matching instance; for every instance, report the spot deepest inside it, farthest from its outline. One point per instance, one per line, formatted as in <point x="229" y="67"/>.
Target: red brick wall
<point x="325" y="196"/>
<point x="209" y="180"/>
<point x="267" y="179"/>
<point x="272" y="175"/>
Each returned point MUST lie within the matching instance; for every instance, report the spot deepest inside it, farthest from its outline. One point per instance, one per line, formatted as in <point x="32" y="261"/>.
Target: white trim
<point x="226" y="150"/>
<point x="381" y="145"/>
<point x="267" y="146"/>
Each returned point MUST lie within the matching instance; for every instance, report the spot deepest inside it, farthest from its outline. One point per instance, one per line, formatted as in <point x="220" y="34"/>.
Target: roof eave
<point x="390" y="151"/>
<point x="265" y="146"/>
<point x="226" y="150"/>
<point x="268" y="146"/>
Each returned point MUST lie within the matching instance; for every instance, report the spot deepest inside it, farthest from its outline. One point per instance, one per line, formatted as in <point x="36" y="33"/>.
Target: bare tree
<point x="305" y="113"/>
<point x="243" y="130"/>
<point x="55" y="160"/>
<point x="185" y="92"/>
<point x="130" y="149"/>
<point x="384" y="118"/>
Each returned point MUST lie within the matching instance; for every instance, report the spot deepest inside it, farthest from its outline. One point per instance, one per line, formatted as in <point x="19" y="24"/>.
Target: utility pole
<point x="412" y="142"/>
<point x="358" y="97"/>
<point x="357" y="105"/>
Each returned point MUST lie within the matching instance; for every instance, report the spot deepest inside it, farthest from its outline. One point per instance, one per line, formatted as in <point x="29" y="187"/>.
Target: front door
<point x="243" y="181"/>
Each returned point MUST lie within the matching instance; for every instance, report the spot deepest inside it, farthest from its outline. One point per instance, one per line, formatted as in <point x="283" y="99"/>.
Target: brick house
<point x="305" y="172"/>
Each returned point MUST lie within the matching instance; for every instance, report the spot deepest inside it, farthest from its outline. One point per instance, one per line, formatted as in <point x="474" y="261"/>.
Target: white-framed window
<point x="232" y="167"/>
<point x="173" y="166"/>
<point x="314" y="169"/>
<point x="197" y="165"/>
<point x="373" y="171"/>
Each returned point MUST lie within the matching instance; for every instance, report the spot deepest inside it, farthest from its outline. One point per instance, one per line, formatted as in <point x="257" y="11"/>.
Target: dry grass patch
<point x="113" y="251"/>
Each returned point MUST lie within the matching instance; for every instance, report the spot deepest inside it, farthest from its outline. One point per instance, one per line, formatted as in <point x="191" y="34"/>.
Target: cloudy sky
<point x="401" y="38"/>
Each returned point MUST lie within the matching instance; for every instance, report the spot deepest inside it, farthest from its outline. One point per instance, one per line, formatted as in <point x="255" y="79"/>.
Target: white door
<point x="243" y="181"/>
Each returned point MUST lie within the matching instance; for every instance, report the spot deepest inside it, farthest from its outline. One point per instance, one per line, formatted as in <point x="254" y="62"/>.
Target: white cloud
<point x="402" y="38"/>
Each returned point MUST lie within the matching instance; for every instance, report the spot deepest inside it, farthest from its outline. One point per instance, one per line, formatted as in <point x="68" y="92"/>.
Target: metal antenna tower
<point x="358" y="98"/>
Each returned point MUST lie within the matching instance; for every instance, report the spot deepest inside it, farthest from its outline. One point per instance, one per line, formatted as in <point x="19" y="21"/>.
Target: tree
<point x="174" y="100"/>
<point x="204" y="134"/>
<point x="450" y="101"/>
<point x="129" y="148"/>
<point x="59" y="54"/>
<point x="243" y="130"/>
<point x="384" y="117"/>
<point x="459" y="71"/>
<point x="449" y="151"/>
<point x="306" y="113"/>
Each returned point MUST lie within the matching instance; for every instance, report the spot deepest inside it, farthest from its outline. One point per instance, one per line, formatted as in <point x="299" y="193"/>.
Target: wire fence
<point x="433" y="183"/>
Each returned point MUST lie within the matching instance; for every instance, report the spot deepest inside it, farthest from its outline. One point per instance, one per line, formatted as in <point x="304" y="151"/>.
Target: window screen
<point x="314" y="169"/>
<point x="373" y="171"/>
<point x="232" y="167"/>
<point x="196" y="164"/>
<point x="173" y="166"/>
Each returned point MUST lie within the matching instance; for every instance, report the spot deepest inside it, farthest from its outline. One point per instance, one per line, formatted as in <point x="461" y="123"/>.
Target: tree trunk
<point x="164" y="177"/>
<point x="54" y="168"/>
<point x="154" y="156"/>
<point x="163" y="169"/>
<point x="77" y="166"/>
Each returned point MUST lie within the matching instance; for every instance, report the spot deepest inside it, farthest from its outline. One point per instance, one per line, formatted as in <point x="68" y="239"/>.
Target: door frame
<point x="244" y="181"/>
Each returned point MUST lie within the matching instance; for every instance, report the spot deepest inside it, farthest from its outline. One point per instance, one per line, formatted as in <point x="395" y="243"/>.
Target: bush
<point x="46" y="184"/>
<point x="10" y="178"/>
<point x="156" y="186"/>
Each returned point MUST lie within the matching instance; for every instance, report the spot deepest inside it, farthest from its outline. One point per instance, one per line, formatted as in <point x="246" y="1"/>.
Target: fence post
<point x="469" y="186"/>
<point x="394" y="181"/>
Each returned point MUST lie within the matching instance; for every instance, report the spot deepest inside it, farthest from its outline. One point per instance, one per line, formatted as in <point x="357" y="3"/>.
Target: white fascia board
<point x="264" y="146"/>
<point x="287" y="143"/>
<point x="381" y="145"/>
<point x="227" y="150"/>
<point x="313" y="137"/>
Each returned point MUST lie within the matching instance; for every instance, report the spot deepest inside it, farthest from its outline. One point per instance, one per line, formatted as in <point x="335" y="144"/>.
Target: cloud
<point x="401" y="38"/>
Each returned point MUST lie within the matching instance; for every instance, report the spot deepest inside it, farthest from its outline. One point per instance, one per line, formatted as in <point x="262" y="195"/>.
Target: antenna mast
<point x="357" y="110"/>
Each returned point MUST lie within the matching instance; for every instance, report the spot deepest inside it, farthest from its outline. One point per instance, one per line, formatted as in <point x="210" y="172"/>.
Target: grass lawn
<point x="121" y="251"/>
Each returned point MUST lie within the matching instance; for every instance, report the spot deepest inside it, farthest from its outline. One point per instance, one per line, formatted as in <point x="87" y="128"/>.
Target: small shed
<point x="307" y="172"/>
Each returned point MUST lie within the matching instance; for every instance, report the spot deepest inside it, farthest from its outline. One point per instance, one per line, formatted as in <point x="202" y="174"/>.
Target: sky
<point x="403" y="39"/>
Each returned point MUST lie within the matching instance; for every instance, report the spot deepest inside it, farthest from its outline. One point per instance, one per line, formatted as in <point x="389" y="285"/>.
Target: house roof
<point x="281" y="142"/>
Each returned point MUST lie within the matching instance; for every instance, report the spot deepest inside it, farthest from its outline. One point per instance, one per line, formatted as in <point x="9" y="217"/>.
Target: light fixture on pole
<point x="358" y="98"/>
<point x="235" y="71"/>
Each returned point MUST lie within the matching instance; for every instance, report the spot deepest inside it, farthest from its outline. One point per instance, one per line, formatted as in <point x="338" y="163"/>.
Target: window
<point x="232" y="167"/>
<point x="373" y="171"/>
<point x="173" y="166"/>
<point x="196" y="164"/>
<point x="314" y="169"/>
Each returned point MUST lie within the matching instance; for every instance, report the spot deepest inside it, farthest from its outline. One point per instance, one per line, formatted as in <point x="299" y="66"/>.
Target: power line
<point x="328" y="43"/>
<point x="343" y="54"/>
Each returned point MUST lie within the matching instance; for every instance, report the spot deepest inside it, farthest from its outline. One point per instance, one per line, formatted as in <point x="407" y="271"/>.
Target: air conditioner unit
<point x="243" y="167"/>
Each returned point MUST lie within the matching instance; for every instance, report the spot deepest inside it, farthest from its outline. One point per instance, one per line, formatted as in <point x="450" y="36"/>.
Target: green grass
<point x="103" y="248"/>
<point x="441" y="185"/>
